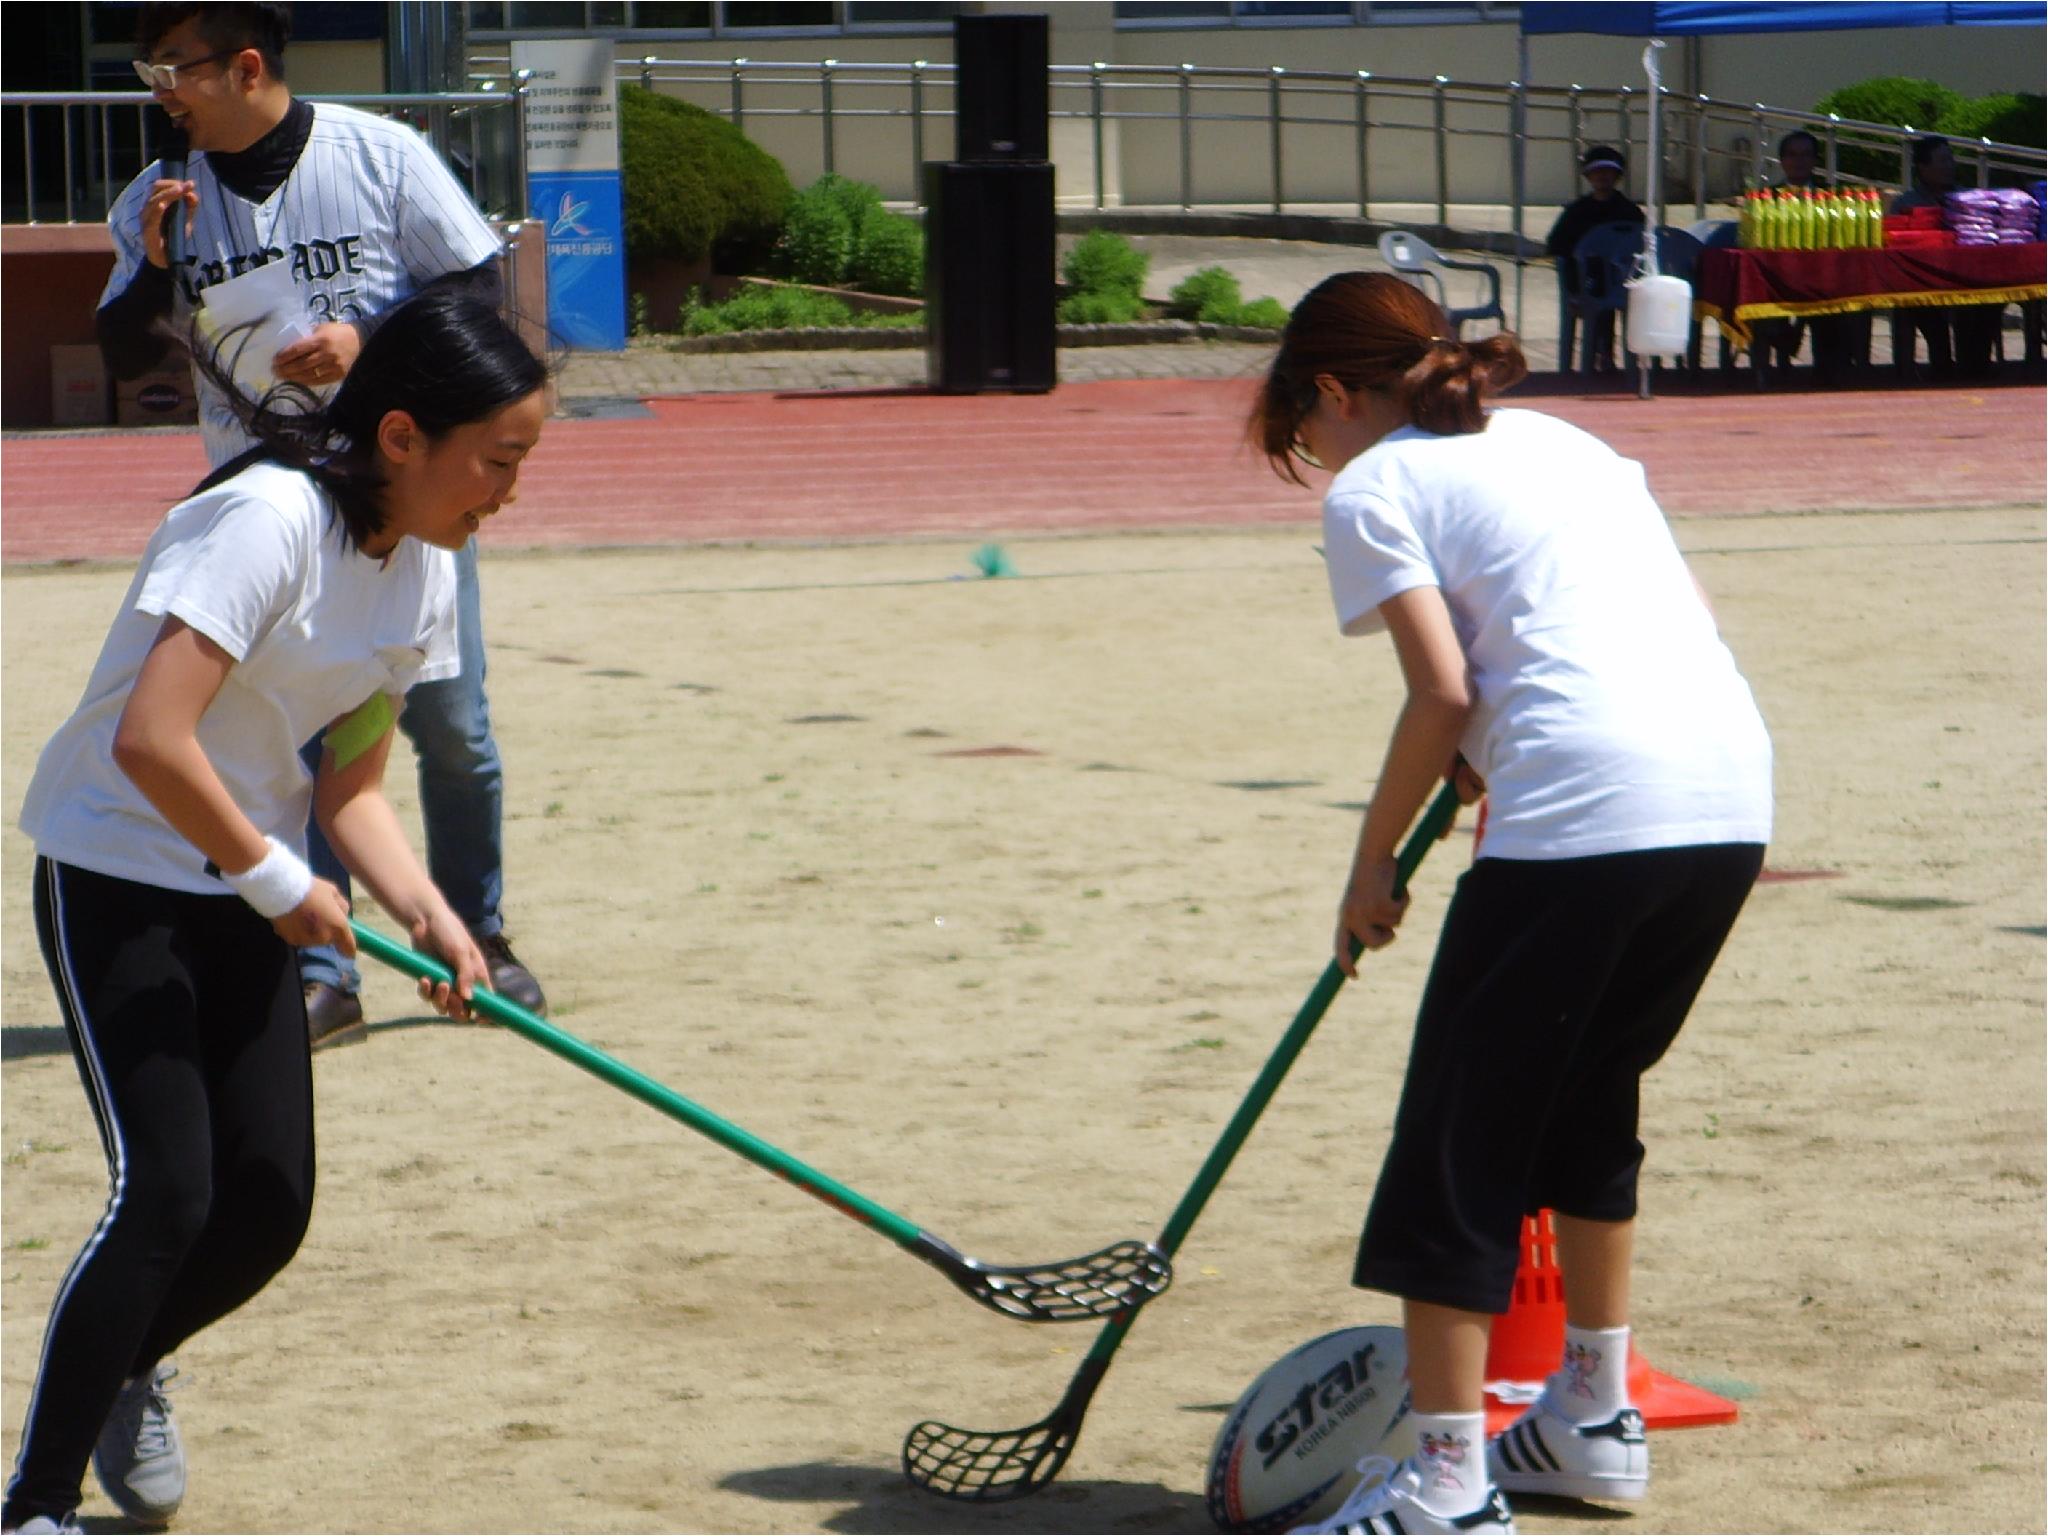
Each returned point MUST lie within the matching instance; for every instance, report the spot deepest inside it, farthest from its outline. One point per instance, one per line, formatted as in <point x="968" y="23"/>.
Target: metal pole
<point x="1273" y="124"/>
<point x="1906" y="158"/>
<point x="1095" y="114"/>
<point x="825" y="95"/>
<point x="28" y="155"/>
<point x="739" y="103"/>
<point x="1518" y="166"/>
<point x="1983" y="161"/>
<point x="70" y="210"/>
<point x="647" y="71"/>
<point x="1621" y="120"/>
<point x="107" y="156"/>
<point x="1187" y="136"/>
<point x="917" y="67"/>
<point x="1443" y="157"/>
<point x="524" y="202"/>
<point x="1757" y="148"/>
<point x="1699" y="156"/>
<point x="1364" y="184"/>
<point x="1834" y="172"/>
<point x="1578" y="133"/>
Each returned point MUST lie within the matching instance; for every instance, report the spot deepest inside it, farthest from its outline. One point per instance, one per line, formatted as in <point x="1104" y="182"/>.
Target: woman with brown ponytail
<point x="1559" y="657"/>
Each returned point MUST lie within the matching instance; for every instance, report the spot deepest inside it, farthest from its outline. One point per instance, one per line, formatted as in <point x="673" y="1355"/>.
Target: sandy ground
<point x="1015" y="997"/>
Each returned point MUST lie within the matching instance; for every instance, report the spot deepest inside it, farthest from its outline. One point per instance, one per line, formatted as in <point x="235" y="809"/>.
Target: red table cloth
<point x="1736" y="286"/>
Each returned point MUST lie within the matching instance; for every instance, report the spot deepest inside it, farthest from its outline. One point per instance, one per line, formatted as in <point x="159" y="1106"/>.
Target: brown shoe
<point x="333" y="1017"/>
<point x="509" y="979"/>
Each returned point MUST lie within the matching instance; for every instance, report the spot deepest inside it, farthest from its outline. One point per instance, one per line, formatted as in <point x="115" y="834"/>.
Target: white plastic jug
<point x="1659" y="315"/>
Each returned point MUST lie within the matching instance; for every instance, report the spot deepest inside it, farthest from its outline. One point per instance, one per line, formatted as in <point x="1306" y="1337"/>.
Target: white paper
<point x="266" y="302"/>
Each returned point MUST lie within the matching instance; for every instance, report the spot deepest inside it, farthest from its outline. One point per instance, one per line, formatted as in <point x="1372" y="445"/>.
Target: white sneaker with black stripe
<point x="1545" y="1452"/>
<point x="1388" y="1498"/>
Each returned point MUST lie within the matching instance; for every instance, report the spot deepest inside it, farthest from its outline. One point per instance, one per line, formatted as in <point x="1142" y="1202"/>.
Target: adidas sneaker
<point x="1388" y="1498"/>
<point x="1544" y="1452"/>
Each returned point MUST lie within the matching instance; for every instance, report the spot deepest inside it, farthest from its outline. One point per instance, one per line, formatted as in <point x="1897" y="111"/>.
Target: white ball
<point x="1288" y="1449"/>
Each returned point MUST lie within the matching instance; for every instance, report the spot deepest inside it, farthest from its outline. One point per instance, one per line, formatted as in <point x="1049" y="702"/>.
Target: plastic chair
<point x="1606" y="260"/>
<point x="1604" y="257"/>
<point x="1415" y="259"/>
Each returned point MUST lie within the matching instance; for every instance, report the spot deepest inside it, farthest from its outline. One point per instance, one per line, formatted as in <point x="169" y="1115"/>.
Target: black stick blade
<point x="988" y="1466"/>
<point x="1115" y="1280"/>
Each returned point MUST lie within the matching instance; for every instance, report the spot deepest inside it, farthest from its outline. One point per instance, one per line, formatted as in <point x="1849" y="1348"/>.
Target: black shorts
<point x="1556" y="985"/>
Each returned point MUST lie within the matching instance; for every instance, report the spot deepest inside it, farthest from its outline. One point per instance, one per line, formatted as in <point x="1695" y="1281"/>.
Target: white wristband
<point x="276" y="884"/>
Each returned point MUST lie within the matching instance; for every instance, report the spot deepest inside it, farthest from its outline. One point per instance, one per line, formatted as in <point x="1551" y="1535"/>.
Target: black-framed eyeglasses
<point x="164" y="77"/>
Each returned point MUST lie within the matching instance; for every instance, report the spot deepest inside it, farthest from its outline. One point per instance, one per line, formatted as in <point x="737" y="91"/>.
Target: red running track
<point x="1125" y="454"/>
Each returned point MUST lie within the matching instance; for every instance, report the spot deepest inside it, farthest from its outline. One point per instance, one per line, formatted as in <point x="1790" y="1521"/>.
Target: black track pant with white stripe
<point x="189" y="1029"/>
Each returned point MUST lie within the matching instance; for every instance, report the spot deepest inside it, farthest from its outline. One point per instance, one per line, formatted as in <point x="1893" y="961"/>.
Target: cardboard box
<point x="78" y="387"/>
<point x="161" y="397"/>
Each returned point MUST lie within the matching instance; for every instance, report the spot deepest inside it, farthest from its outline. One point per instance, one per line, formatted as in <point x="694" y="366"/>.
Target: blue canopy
<point x="1677" y="18"/>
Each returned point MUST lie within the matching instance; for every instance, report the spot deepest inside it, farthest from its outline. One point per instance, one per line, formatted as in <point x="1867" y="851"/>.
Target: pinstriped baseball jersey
<point x="368" y="216"/>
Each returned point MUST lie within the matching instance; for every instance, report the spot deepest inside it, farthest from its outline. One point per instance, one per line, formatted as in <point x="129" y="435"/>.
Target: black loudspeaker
<point x="1001" y="107"/>
<point x="988" y="277"/>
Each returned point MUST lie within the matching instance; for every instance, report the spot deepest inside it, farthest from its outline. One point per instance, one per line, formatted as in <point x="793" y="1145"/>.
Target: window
<point x="494" y="19"/>
<point x="1283" y="13"/>
<point x="776" y="13"/>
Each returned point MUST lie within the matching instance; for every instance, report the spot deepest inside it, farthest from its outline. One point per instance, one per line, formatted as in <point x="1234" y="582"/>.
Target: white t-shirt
<point x="368" y="216"/>
<point x="258" y="564"/>
<point x="1608" y="714"/>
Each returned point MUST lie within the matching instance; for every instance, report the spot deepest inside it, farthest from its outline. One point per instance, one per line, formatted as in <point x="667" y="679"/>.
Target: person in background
<point x="1603" y="203"/>
<point x="366" y="214"/>
<point x="1840" y="342"/>
<point x="1934" y="177"/>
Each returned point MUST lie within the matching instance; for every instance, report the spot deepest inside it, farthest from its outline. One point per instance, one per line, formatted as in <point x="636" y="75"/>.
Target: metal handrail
<point x="112" y="166"/>
<point x="1287" y="101"/>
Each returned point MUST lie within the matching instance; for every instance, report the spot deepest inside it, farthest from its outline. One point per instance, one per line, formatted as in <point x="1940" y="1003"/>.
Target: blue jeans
<point x="462" y="789"/>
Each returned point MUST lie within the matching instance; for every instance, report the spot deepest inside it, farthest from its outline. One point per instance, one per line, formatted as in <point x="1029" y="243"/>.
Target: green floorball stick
<point x="1113" y="1282"/>
<point x="991" y="1466"/>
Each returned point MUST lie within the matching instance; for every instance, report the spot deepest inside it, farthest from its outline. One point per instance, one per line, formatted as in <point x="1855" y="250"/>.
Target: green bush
<point x="1100" y="309"/>
<point x="2009" y="117"/>
<point x="856" y="199"/>
<point x="1104" y="263"/>
<point x="816" y="241"/>
<point x="1262" y="314"/>
<point x="780" y="309"/>
<point x="1210" y="295"/>
<point x="825" y="229"/>
<point x="693" y="184"/>
<point x="1894" y="101"/>
<point x="888" y="255"/>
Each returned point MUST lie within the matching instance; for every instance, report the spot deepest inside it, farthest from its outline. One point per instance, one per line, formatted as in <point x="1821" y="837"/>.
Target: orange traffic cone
<point x="1527" y="1344"/>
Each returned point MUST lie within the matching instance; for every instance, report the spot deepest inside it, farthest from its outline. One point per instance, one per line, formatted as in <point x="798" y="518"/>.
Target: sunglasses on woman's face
<point x="164" y="77"/>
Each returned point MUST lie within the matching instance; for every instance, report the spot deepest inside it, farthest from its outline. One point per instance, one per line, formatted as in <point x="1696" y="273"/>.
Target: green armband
<point x="361" y="730"/>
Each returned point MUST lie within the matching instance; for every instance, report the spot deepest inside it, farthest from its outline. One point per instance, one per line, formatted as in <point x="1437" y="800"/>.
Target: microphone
<point x="172" y="165"/>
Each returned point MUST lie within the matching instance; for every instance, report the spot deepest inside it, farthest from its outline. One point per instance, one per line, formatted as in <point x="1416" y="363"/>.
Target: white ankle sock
<point x="1591" y="1386"/>
<point x="1450" y="1453"/>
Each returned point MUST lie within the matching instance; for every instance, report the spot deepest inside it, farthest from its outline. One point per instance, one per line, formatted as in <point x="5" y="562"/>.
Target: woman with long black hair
<point x="303" y="587"/>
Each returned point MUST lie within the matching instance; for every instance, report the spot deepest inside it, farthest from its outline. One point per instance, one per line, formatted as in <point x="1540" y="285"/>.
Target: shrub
<point x="1210" y="295"/>
<point x="781" y="309"/>
<point x="1262" y="314"/>
<point x="1100" y="309"/>
<point x="1106" y="263"/>
<point x="2009" y="117"/>
<point x="1892" y="100"/>
<point x="693" y="184"/>
<point x="856" y="199"/>
<point x="816" y="241"/>
<point x="824" y="231"/>
<point x="888" y="255"/>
